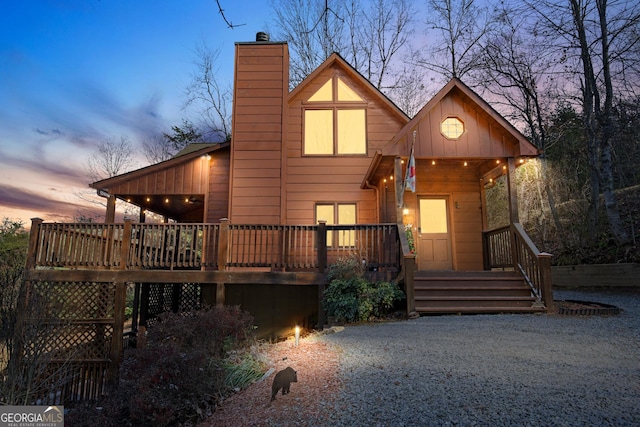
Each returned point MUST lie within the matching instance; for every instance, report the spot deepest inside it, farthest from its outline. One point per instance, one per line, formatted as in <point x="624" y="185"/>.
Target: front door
<point x="434" y="234"/>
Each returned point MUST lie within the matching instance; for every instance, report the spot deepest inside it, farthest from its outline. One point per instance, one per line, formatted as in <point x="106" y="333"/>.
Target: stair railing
<point x="511" y="247"/>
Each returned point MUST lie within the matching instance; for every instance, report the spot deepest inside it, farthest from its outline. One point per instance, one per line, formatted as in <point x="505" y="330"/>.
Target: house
<point x="310" y="175"/>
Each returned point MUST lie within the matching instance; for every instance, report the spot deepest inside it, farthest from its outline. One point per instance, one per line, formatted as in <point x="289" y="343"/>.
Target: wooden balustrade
<point x="213" y="246"/>
<point x="497" y="248"/>
<point x="80" y="245"/>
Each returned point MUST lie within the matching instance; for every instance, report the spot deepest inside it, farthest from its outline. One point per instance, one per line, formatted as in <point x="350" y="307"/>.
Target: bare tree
<point x="409" y="91"/>
<point x="602" y="38"/>
<point x="111" y="158"/>
<point x="313" y="30"/>
<point x="156" y="148"/>
<point x="374" y="38"/>
<point x="515" y="67"/>
<point x="386" y="32"/>
<point x="208" y="97"/>
<point x="461" y="25"/>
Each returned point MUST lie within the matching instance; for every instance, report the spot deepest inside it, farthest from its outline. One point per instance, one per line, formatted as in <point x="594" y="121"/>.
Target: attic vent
<point x="262" y="37"/>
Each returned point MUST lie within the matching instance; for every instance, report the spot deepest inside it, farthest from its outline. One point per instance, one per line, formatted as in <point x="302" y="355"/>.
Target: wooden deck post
<point x="120" y="298"/>
<point x="110" y="216"/>
<point x="34" y="233"/>
<point x="544" y="259"/>
<point x="321" y="240"/>
<point x="409" y="271"/>
<point x="223" y="251"/>
<point x="25" y="293"/>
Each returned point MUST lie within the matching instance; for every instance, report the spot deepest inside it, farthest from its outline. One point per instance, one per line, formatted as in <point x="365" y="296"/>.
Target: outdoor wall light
<point x="489" y="184"/>
<point x="297" y="335"/>
<point x="405" y="211"/>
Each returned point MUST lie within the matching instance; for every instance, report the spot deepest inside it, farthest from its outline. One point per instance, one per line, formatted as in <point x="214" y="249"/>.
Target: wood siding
<point x="218" y="198"/>
<point x="313" y="179"/>
<point x="483" y="137"/>
<point x="261" y="84"/>
<point x="186" y="178"/>
<point x="462" y="185"/>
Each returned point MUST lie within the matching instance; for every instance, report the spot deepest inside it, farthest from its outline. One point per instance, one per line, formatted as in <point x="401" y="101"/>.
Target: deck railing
<point x="511" y="247"/>
<point x="81" y="245"/>
<point x="214" y="246"/>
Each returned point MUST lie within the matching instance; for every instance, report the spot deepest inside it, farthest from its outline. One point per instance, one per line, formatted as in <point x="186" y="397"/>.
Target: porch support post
<point x="321" y="240"/>
<point x="110" y="217"/>
<point x="512" y="191"/>
<point x="223" y="250"/>
<point x="399" y="191"/>
<point x="119" y="305"/>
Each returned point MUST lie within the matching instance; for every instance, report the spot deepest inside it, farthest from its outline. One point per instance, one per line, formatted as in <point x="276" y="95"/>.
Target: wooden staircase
<point x="473" y="292"/>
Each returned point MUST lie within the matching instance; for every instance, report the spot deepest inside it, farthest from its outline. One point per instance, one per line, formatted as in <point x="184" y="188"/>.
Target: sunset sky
<point x="74" y="73"/>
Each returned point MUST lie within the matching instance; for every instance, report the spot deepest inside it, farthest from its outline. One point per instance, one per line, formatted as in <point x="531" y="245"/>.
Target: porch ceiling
<point x="487" y="168"/>
<point x="174" y="206"/>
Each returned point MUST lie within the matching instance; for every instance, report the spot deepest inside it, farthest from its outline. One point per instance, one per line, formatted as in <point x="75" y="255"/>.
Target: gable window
<point x="335" y="121"/>
<point x="452" y="127"/>
<point x="336" y="214"/>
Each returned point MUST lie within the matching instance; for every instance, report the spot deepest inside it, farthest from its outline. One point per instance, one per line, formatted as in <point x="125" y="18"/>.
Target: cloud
<point x="36" y="163"/>
<point x="21" y="199"/>
<point x="51" y="132"/>
<point x="100" y="105"/>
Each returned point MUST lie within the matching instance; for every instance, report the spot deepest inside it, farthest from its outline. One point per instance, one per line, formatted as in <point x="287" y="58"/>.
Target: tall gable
<point x="336" y="121"/>
<point x="457" y="123"/>
<point x="335" y="65"/>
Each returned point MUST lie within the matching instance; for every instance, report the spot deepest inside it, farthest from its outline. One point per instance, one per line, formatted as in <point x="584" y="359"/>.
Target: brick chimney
<point x="261" y="84"/>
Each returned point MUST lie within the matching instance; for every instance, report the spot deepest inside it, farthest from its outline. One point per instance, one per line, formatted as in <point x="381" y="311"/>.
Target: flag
<point x="410" y="175"/>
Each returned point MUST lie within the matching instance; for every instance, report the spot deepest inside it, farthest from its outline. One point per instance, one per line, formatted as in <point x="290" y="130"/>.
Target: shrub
<point x="190" y="362"/>
<point x="350" y="297"/>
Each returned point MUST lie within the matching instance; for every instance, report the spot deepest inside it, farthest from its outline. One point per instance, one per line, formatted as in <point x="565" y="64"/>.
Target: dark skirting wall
<point x="276" y="309"/>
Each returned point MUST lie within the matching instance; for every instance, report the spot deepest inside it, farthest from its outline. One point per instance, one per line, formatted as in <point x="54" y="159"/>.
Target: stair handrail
<point x="535" y="266"/>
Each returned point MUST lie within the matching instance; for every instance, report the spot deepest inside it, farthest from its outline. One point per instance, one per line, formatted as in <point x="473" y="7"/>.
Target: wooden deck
<point x="85" y="269"/>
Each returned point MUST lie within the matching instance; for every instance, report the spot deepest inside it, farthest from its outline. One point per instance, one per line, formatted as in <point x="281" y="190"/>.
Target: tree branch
<point x="221" y="12"/>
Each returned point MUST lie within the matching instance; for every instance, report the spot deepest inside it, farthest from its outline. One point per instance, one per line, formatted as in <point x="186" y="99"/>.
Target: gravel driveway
<point x="494" y="370"/>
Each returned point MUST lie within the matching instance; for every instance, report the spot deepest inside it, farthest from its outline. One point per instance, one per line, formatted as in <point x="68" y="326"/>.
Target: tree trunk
<point x="610" y="204"/>
<point x="606" y="165"/>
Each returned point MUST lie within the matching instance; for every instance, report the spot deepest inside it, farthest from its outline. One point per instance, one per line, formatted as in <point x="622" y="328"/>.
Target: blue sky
<point x="76" y="72"/>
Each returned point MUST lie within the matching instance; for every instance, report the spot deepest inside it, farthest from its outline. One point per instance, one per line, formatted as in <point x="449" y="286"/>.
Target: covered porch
<point x="434" y="178"/>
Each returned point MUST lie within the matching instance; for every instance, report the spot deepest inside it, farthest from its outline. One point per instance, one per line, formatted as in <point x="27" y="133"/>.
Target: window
<point x="338" y="213"/>
<point x="452" y="127"/>
<point x="335" y="121"/>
